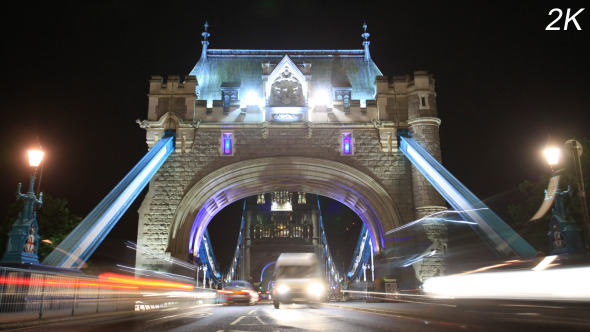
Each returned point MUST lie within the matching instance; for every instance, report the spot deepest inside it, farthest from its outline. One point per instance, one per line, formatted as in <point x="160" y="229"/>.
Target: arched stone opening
<point x="353" y="188"/>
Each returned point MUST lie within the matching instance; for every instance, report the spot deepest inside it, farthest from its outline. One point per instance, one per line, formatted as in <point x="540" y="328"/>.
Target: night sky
<point x="76" y="77"/>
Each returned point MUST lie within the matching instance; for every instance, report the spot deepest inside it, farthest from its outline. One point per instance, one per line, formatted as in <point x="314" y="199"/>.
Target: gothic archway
<point x="338" y="181"/>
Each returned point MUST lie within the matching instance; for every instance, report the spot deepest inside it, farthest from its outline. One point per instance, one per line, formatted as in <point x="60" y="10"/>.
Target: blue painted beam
<point x="362" y="254"/>
<point x="75" y="249"/>
<point x="207" y="257"/>
<point x="498" y="235"/>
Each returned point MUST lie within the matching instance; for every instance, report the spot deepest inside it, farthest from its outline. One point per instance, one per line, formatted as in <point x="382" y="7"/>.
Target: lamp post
<point x="574" y="150"/>
<point x="23" y="239"/>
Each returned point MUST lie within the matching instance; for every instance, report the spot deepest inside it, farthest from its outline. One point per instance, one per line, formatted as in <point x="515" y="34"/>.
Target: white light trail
<point x="554" y="284"/>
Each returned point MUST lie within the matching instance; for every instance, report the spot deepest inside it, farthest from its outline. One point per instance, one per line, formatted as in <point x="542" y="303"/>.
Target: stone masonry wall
<point x="181" y="171"/>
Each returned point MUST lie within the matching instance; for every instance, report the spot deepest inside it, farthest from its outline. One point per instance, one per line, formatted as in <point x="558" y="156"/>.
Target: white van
<point x="298" y="279"/>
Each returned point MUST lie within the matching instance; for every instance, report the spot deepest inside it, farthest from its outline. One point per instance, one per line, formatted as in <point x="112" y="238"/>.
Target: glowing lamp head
<point x="322" y="98"/>
<point x="252" y="98"/>
<point x="35" y="157"/>
<point x="552" y="155"/>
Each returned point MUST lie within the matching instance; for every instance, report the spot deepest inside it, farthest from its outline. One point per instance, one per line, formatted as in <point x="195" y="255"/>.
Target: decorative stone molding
<point x="308" y="130"/>
<point x="265" y="130"/>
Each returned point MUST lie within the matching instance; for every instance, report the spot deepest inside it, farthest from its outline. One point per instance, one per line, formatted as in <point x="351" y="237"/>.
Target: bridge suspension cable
<point x="497" y="234"/>
<point x="75" y="249"/>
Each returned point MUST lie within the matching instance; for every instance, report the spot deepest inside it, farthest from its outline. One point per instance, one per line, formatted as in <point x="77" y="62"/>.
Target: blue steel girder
<point x="207" y="258"/>
<point x="498" y="235"/>
<point x="75" y="249"/>
<point x="361" y="254"/>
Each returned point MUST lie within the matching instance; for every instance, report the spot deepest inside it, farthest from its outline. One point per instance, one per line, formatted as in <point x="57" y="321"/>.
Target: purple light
<point x="346" y="142"/>
<point x="227" y="143"/>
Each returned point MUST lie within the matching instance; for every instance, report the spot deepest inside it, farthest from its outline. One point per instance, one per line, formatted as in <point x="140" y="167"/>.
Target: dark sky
<point x="76" y="76"/>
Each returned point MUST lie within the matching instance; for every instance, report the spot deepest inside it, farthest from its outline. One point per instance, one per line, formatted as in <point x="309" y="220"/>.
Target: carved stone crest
<point x="286" y="90"/>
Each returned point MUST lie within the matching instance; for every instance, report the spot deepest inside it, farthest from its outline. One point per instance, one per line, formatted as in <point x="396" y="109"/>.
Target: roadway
<point x="333" y="316"/>
<point x="260" y="317"/>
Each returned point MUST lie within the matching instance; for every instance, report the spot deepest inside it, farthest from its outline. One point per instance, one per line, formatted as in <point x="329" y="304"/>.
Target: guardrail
<point x="27" y="295"/>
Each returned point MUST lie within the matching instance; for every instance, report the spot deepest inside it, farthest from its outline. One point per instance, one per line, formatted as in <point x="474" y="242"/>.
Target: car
<point x="237" y="292"/>
<point x="264" y="295"/>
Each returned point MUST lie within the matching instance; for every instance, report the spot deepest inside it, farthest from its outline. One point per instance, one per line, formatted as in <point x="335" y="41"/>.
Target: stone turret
<point x="424" y="125"/>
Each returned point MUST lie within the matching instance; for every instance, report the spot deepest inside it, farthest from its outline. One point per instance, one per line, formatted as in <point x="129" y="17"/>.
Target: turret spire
<point x="205" y="42"/>
<point x="366" y="42"/>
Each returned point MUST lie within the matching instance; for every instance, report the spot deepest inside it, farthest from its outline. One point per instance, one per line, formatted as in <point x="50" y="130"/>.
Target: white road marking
<point x="260" y="320"/>
<point x="237" y="320"/>
<point x="180" y="315"/>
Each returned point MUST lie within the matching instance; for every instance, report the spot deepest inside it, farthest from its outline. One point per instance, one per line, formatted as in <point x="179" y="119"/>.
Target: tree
<point x="533" y="193"/>
<point x="54" y="219"/>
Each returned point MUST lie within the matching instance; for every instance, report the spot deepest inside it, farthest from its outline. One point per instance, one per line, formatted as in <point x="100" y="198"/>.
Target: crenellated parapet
<point x="171" y="107"/>
<point x="172" y="96"/>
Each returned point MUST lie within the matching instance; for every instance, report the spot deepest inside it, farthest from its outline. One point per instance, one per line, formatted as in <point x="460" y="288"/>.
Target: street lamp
<point x="574" y="149"/>
<point x="23" y="239"/>
<point x="552" y="154"/>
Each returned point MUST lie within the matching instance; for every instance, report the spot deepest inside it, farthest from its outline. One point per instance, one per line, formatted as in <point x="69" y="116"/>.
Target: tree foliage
<point x="532" y="195"/>
<point x="54" y="219"/>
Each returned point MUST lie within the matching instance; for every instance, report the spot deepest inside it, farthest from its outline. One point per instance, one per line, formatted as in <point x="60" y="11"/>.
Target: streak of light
<point x="149" y="272"/>
<point x="154" y="254"/>
<point x="461" y="221"/>
<point x="144" y="282"/>
<point x="433" y="215"/>
<point x="486" y="268"/>
<point x="419" y="258"/>
<point x="62" y="284"/>
<point x="398" y="297"/>
<point x="554" y="284"/>
<point x="545" y="263"/>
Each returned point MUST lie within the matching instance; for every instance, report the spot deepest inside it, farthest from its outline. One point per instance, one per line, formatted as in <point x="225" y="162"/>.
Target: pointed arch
<point x="335" y="180"/>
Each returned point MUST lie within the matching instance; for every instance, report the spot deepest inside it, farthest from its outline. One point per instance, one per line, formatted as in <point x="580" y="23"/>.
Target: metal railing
<point x="281" y="230"/>
<point x="27" y="295"/>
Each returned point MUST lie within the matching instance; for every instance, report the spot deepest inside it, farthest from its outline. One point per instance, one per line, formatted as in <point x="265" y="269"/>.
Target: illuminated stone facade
<point x="258" y="121"/>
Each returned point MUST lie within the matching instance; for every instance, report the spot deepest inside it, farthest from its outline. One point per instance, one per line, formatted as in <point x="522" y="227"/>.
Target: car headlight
<point x="283" y="289"/>
<point x="315" y="288"/>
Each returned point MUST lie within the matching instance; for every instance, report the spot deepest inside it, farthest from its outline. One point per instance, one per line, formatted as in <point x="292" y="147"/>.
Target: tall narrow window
<point x="423" y="101"/>
<point x="346" y="143"/>
<point x="227" y="144"/>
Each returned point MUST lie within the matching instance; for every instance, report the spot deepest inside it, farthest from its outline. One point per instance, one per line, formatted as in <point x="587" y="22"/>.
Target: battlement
<point x="172" y="96"/>
<point x="173" y="85"/>
<point x="421" y="80"/>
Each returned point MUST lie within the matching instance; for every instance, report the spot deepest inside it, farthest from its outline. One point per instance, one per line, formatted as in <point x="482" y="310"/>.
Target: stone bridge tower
<point x="261" y="121"/>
